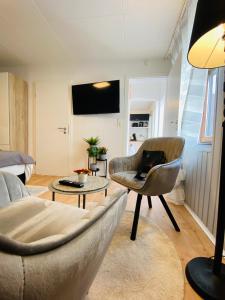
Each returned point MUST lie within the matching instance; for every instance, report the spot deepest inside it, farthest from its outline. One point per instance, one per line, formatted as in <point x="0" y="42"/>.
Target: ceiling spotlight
<point x="101" y="85"/>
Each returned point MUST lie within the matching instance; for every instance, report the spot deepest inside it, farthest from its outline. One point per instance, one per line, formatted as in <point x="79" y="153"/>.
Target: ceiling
<point x="50" y="31"/>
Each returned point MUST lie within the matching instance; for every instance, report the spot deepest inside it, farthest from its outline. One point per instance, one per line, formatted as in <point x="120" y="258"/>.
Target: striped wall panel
<point x="198" y="163"/>
<point x="202" y="165"/>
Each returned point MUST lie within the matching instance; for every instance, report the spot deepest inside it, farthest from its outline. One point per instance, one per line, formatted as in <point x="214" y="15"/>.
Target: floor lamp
<point x="207" y="50"/>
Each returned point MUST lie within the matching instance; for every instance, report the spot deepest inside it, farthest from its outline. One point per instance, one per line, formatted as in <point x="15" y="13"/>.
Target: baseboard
<point x="201" y="225"/>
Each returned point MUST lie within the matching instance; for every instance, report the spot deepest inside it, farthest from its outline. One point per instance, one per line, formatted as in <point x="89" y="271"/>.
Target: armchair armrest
<point x="162" y="178"/>
<point x="122" y="164"/>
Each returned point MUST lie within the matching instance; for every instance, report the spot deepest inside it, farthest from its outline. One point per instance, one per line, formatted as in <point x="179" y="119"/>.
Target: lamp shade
<point x="207" y="46"/>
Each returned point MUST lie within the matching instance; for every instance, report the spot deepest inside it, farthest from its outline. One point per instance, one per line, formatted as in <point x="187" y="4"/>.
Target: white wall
<point x="142" y="107"/>
<point x="112" y="129"/>
<point x="172" y="100"/>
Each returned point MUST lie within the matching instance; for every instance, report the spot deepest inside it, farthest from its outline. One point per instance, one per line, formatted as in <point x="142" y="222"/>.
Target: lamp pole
<point x="221" y="211"/>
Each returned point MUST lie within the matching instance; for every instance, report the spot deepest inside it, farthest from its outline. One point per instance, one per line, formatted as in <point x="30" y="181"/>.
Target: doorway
<point x="146" y="100"/>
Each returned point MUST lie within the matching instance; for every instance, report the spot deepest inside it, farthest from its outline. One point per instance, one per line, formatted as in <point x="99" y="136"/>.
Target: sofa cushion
<point x="33" y="225"/>
<point x="35" y="221"/>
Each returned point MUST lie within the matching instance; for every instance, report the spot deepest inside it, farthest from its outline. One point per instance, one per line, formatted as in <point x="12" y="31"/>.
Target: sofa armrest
<point x="162" y="178"/>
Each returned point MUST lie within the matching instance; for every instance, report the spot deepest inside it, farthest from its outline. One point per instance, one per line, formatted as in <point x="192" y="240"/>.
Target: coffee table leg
<point x="78" y="200"/>
<point x="53" y="196"/>
<point x="84" y="201"/>
<point x="105" y="192"/>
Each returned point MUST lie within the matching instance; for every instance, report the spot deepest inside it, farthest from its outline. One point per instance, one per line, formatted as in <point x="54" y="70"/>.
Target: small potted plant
<point x="82" y="174"/>
<point x="102" y="153"/>
<point x="93" y="141"/>
<point x="93" y="153"/>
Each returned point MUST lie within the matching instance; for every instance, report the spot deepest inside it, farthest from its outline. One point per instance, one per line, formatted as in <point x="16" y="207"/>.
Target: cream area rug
<point x="36" y="190"/>
<point x="146" y="269"/>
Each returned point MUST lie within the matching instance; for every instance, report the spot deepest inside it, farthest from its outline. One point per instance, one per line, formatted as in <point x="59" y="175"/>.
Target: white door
<point x="52" y="128"/>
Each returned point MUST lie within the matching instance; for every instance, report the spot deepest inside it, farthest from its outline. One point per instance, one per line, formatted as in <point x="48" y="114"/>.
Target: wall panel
<point x="198" y="163"/>
<point x="202" y="161"/>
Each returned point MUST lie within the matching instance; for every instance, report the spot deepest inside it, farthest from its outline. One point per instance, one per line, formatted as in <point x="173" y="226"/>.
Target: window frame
<point x="203" y="138"/>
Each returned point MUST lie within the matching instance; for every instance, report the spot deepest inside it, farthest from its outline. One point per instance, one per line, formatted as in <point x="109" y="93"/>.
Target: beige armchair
<point x="159" y="180"/>
<point x="50" y="250"/>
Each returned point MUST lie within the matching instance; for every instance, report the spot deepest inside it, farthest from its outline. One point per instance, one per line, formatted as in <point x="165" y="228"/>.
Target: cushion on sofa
<point x="33" y="225"/>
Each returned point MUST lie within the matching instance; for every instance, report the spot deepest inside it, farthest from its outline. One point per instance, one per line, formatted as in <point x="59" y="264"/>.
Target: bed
<point x="17" y="163"/>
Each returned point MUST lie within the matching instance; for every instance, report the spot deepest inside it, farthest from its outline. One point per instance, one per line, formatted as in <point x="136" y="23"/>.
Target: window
<point x="209" y="110"/>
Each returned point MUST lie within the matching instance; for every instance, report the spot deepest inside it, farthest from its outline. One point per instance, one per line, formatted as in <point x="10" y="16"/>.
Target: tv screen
<point x="96" y="98"/>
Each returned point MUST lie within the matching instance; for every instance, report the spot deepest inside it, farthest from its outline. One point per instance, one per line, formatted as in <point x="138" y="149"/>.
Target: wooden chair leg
<point x="136" y="218"/>
<point x="149" y="202"/>
<point x="169" y="213"/>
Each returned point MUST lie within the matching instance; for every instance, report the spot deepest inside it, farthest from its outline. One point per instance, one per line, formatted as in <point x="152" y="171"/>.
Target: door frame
<point x="127" y="109"/>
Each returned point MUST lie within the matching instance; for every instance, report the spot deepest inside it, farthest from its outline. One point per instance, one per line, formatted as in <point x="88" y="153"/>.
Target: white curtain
<point x="180" y="44"/>
<point x="186" y="68"/>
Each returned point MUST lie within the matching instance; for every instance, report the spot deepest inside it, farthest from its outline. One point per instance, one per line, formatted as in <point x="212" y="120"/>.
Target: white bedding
<point x="19" y="169"/>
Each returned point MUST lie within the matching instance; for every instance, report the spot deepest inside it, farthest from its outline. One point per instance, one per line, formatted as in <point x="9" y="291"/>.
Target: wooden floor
<point x="189" y="243"/>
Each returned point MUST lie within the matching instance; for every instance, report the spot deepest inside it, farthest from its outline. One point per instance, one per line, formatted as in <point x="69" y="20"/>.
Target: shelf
<point x="98" y="159"/>
<point x="95" y="170"/>
<point x="140" y="127"/>
<point x="104" y="169"/>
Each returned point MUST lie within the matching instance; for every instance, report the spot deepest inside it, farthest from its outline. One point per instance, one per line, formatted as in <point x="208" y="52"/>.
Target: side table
<point x="94" y="184"/>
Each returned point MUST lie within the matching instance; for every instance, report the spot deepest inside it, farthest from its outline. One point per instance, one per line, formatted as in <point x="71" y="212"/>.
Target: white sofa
<point x="50" y="250"/>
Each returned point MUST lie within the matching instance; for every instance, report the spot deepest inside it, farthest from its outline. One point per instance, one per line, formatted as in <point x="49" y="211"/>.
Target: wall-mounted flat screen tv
<point x="96" y="98"/>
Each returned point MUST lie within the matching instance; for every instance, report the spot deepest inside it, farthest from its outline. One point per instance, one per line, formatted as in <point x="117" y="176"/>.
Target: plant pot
<point x="82" y="178"/>
<point x="93" y="166"/>
<point x="102" y="156"/>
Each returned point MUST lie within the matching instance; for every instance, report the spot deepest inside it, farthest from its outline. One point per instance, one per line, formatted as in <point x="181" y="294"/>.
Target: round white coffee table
<point x="94" y="184"/>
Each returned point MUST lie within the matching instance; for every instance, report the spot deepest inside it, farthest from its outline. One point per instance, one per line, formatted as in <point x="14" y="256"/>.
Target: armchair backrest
<point x="172" y="147"/>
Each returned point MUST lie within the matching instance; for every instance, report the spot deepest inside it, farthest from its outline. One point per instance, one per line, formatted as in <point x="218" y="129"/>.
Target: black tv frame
<point x="97" y="107"/>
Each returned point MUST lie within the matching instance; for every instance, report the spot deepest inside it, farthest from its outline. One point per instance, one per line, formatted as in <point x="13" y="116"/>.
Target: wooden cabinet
<point x="13" y="113"/>
<point x="4" y="110"/>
